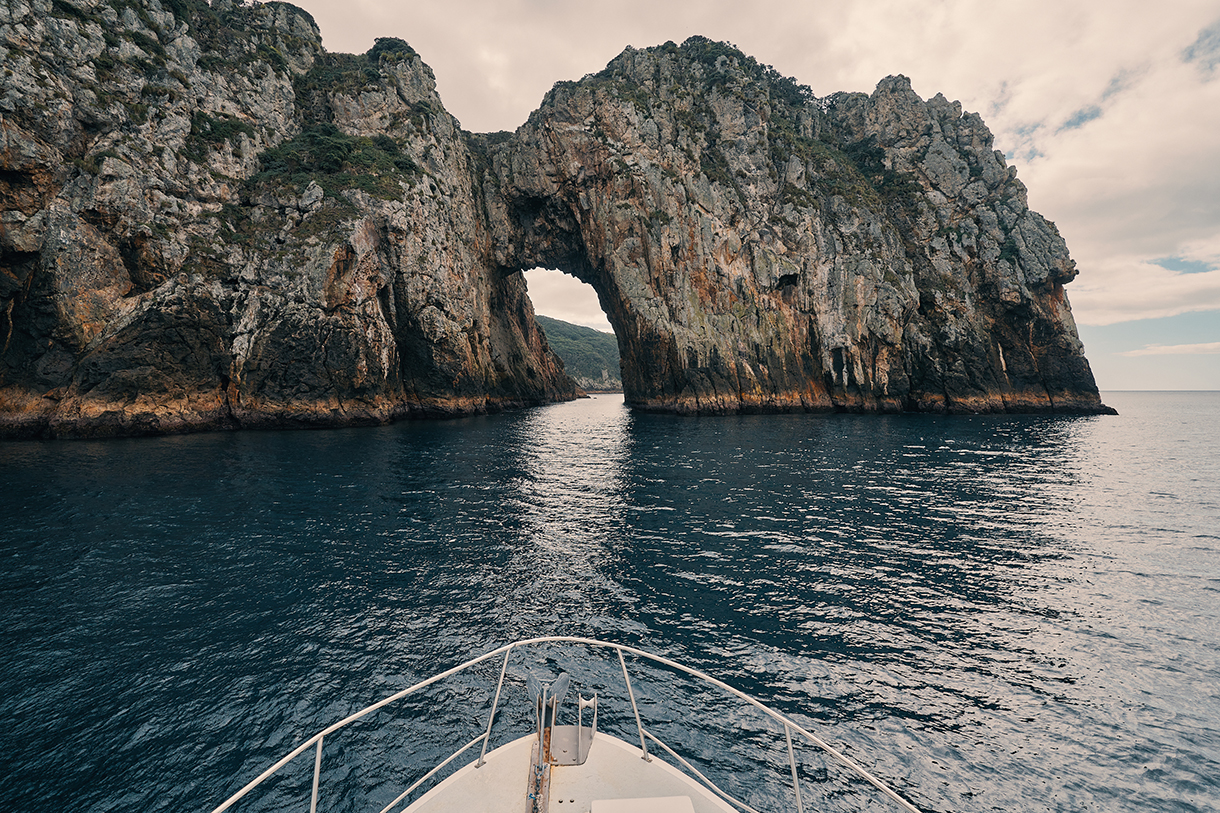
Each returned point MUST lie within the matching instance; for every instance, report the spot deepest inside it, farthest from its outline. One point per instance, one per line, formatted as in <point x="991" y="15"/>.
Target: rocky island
<point x="208" y="221"/>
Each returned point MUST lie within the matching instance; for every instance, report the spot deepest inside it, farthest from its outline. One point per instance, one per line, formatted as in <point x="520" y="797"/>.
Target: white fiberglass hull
<point x="615" y="771"/>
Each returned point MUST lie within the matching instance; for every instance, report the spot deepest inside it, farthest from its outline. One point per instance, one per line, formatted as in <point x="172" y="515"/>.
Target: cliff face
<point x="759" y="249"/>
<point x="208" y="221"/>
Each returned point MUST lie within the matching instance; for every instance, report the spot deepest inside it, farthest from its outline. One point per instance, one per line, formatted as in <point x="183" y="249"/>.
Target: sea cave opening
<point x="576" y="328"/>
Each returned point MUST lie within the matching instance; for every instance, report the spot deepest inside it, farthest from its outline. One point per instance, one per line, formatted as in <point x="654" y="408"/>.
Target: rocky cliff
<point x="757" y="248"/>
<point x="207" y="221"/>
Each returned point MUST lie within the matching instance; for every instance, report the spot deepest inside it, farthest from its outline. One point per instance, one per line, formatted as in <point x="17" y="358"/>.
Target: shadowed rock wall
<point x="207" y="221"/>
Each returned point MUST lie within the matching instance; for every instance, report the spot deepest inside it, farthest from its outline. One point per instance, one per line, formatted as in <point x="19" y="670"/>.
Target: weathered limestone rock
<point x="757" y="249"/>
<point x="207" y="221"/>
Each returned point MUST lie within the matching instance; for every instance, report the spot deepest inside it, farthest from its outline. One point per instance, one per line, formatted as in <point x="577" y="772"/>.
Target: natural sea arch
<point x="696" y="333"/>
<point x="755" y="254"/>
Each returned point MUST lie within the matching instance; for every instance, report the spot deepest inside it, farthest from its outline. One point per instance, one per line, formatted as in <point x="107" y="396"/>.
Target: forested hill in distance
<point x="590" y="356"/>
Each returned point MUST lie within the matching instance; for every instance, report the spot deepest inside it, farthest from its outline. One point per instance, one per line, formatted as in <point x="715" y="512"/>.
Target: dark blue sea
<point x="992" y="613"/>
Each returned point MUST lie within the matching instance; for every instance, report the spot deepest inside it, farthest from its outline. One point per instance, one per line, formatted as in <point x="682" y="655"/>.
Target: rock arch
<point x="757" y="250"/>
<point x="325" y="245"/>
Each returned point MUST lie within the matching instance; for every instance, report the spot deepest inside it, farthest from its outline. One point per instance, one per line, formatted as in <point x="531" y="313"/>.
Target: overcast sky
<point x="1109" y="110"/>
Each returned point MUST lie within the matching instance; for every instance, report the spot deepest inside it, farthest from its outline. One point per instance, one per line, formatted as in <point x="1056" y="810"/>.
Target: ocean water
<point x="992" y="613"/>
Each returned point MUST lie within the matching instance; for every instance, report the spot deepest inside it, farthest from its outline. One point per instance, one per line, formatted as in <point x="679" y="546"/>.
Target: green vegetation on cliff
<point x="336" y="160"/>
<point x="589" y="356"/>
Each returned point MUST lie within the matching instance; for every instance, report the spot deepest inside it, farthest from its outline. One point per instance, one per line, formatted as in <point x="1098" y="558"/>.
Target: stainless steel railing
<point x="788" y="725"/>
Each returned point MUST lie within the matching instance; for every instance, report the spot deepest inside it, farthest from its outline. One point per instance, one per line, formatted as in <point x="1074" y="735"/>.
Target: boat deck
<point x="614" y="779"/>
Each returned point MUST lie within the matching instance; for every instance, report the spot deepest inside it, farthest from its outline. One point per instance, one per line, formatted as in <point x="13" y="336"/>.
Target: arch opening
<point x="577" y="328"/>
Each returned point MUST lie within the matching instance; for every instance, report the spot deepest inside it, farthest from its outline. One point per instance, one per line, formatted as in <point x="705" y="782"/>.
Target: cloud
<point x="1124" y="289"/>
<point x="559" y="296"/>
<point x="1203" y="349"/>
<point x="1206" y="49"/>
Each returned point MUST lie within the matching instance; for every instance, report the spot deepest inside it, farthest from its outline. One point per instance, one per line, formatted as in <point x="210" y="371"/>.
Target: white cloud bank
<point x="1111" y="111"/>
<point x="1202" y="349"/>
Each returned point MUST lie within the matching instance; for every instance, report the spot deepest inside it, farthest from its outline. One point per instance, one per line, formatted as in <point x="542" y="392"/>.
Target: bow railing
<point x="788" y="725"/>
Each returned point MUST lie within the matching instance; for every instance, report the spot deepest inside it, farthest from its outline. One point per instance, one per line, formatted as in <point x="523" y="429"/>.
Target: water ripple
<point x="996" y="612"/>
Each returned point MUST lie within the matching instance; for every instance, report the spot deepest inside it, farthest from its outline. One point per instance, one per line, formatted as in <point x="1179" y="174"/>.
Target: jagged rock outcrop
<point x="756" y="248"/>
<point x="208" y="221"/>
